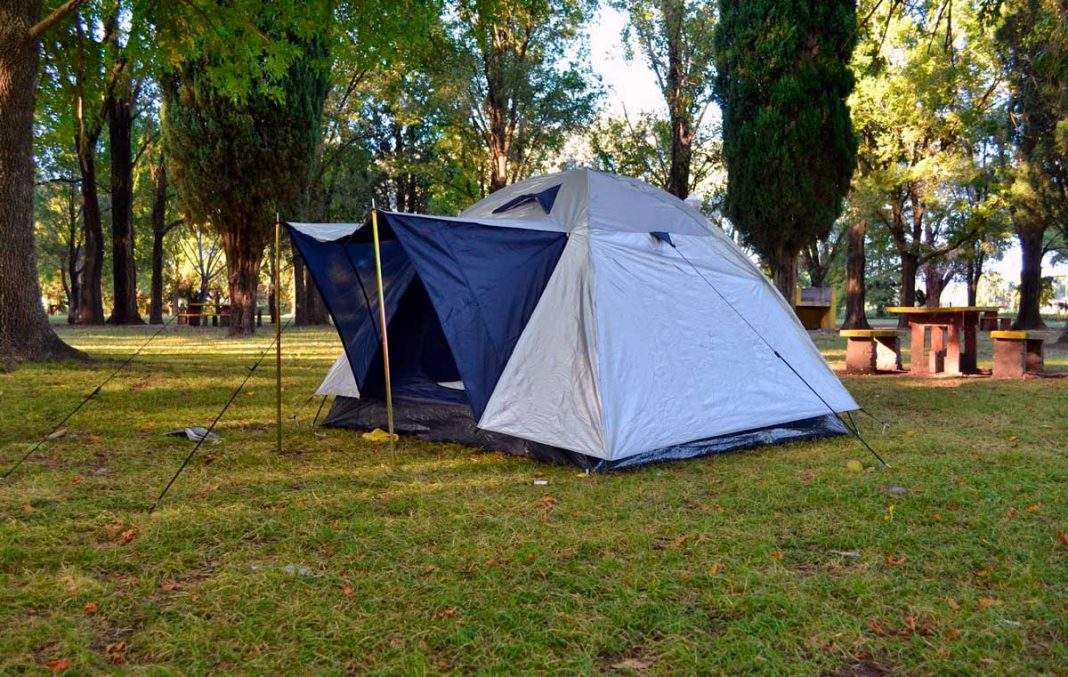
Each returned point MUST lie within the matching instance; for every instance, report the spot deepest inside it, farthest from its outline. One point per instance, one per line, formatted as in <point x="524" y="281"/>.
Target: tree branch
<point x="42" y="26"/>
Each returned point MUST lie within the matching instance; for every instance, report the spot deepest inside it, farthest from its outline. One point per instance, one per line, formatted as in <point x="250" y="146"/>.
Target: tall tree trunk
<point x="309" y="307"/>
<point x="124" y="276"/>
<point x="91" y="303"/>
<point x="932" y="280"/>
<point x="785" y="275"/>
<point x="243" y="276"/>
<point x="973" y="273"/>
<point x="1028" y="315"/>
<point x="855" y="317"/>
<point x="681" y="125"/>
<point x="909" y="264"/>
<point x="25" y="333"/>
<point x="159" y="231"/>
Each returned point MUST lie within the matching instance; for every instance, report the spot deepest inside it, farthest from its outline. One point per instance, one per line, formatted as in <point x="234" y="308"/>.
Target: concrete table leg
<point x="918" y="359"/>
<point x="952" y="348"/>
<point x="860" y="356"/>
<point x="937" y="357"/>
<point x="1033" y="360"/>
<point x="1008" y="358"/>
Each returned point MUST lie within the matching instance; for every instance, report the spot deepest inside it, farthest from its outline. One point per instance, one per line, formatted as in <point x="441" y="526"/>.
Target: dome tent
<point x="580" y="316"/>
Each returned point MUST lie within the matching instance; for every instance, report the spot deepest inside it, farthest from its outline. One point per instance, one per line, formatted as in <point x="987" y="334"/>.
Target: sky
<point x="630" y="86"/>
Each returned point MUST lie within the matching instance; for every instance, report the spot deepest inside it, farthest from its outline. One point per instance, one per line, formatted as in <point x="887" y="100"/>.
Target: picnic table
<point x="952" y="330"/>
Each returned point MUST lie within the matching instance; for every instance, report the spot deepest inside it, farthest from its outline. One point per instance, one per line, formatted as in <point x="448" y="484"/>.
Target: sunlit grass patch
<point x="338" y="556"/>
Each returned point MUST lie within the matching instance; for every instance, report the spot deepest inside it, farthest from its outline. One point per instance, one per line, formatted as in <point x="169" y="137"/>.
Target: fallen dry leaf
<point x="716" y="568"/>
<point x="1033" y="507"/>
<point x="447" y="612"/>
<point x="169" y="586"/>
<point x="894" y="560"/>
<point x="631" y="664"/>
<point x="548" y="500"/>
<point x="112" y="529"/>
<point x="347" y="589"/>
<point x="952" y="604"/>
<point x="75" y="480"/>
<point x="26" y="507"/>
<point x="1062" y="537"/>
<point x="875" y="627"/>
<point x="949" y="635"/>
<point x="90" y="608"/>
<point x="93" y="439"/>
<point x="116" y="652"/>
<point x="57" y="665"/>
<point x="985" y="602"/>
<point x="1011" y="512"/>
<point x="777" y="554"/>
<point x="910" y="623"/>
<point x="937" y="517"/>
<point x="127" y="536"/>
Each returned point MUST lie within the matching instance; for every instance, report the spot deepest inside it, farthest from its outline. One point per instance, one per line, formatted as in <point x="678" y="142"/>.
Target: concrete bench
<point x="1017" y="353"/>
<point x="872" y="350"/>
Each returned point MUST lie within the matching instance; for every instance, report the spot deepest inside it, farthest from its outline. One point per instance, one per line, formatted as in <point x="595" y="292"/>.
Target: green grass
<point x="449" y="560"/>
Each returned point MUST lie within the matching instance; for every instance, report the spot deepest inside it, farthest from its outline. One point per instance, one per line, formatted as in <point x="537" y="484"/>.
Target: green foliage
<point x="237" y="163"/>
<point x="519" y="81"/>
<point x="782" y="81"/>
<point x="641" y="148"/>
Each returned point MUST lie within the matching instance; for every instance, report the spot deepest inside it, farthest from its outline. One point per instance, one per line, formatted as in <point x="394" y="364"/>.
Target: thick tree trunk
<point x="681" y="125"/>
<point x="907" y="298"/>
<point x="855" y="317"/>
<point x="124" y="276"/>
<point x="785" y="276"/>
<point x="243" y="275"/>
<point x="91" y="303"/>
<point x="309" y="307"/>
<point x="933" y="285"/>
<point x="25" y="333"/>
<point x="1028" y="315"/>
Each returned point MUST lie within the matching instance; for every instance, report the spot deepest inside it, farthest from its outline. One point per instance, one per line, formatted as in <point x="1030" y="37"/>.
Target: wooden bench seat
<point x="1017" y="353"/>
<point x="869" y="351"/>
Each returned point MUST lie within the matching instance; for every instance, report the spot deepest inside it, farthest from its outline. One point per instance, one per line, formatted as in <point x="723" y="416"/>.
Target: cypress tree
<point x="236" y="163"/>
<point x="782" y="81"/>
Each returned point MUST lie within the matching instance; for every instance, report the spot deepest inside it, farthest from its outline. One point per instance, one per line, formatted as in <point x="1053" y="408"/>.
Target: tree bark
<point x="933" y="285"/>
<point x="1028" y="315"/>
<point x="785" y="276"/>
<point x="124" y="276"/>
<point x="243" y="276"/>
<point x="681" y="125"/>
<point x="855" y="290"/>
<point x="907" y="298"/>
<point x="91" y="303"/>
<point x="159" y="231"/>
<point x="310" y="309"/>
<point x="25" y="333"/>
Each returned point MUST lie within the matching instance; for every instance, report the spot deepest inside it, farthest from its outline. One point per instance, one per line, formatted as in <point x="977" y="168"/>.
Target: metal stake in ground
<point x="382" y="322"/>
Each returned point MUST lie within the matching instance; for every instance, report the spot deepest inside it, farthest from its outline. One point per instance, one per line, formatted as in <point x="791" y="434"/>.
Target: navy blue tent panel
<point x="545" y="198"/>
<point x="345" y="275"/>
<point x="484" y="282"/>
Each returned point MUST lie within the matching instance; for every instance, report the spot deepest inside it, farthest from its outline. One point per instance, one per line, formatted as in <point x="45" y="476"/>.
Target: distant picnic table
<point x="953" y="337"/>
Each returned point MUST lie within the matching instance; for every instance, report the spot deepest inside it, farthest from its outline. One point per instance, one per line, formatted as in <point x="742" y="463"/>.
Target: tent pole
<point x="278" y="330"/>
<point x="382" y="323"/>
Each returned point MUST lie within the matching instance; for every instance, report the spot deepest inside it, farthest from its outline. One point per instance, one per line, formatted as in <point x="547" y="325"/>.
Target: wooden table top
<point x="924" y="310"/>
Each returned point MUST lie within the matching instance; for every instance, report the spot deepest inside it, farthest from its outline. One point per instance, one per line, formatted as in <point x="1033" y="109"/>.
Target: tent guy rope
<point x="233" y="396"/>
<point x="853" y="429"/>
<point x="94" y="393"/>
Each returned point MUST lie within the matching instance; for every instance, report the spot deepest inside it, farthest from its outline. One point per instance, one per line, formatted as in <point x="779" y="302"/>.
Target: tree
<point x="237" y="164"/>
<point x="642" y="148"/>
<point x="782" y="81"/>
<point x="520" y="93"/>
<point x="25" y="333"/>
<point x="161" y="226"/>
<point x="675" y="37"/>
<point x="922" y="110"/>
<point x="1032" y="42"/>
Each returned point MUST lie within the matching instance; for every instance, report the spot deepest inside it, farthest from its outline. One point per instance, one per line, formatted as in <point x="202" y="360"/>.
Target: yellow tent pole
<point x="382" y="324"/>
<point x="278" y="328"/>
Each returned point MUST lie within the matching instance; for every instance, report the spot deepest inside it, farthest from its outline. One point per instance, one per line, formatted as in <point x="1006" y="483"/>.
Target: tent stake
<point x="382" y="322"/>
<point x="278" y="329"/>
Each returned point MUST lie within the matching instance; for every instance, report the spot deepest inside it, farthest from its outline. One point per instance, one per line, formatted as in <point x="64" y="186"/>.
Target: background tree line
<point x="879" y="145"/>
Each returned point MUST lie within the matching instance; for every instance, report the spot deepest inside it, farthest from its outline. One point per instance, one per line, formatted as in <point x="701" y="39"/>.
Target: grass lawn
<point x="336" y="557"/>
